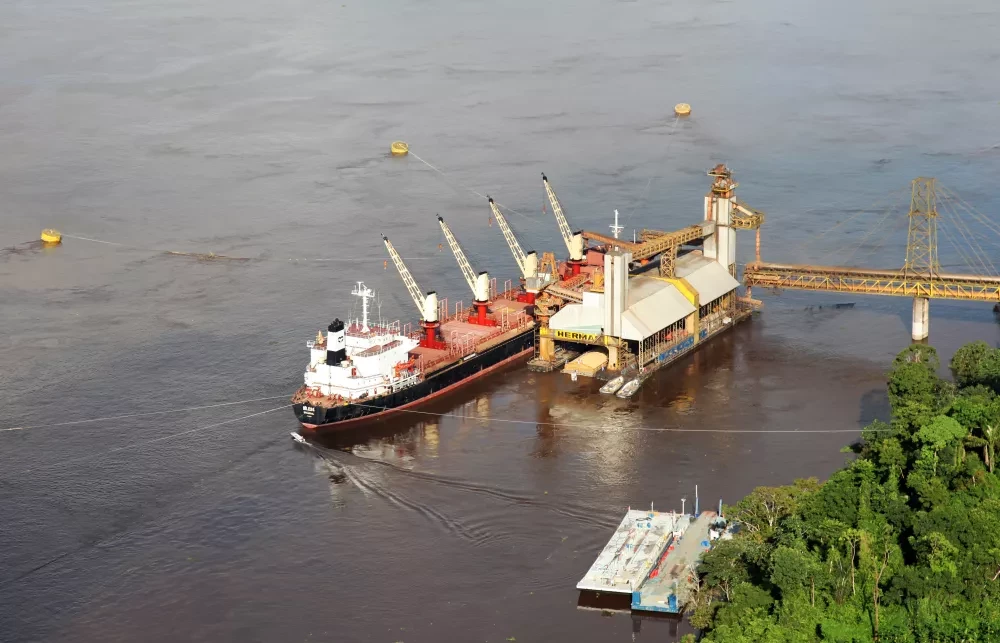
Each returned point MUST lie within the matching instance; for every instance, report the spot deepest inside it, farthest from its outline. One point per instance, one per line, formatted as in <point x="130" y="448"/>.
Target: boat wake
<point x="361" y="475"/>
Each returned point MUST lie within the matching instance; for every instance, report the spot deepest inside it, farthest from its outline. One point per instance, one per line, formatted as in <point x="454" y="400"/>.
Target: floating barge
<point x="652" y="557"/>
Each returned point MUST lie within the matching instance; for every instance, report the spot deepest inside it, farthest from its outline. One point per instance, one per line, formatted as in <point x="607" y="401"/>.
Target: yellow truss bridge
<point x="920" y="277"/>
<point x="872" y="282"/>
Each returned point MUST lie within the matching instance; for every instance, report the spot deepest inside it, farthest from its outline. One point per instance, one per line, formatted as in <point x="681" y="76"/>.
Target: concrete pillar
<point x="921" y="318"/>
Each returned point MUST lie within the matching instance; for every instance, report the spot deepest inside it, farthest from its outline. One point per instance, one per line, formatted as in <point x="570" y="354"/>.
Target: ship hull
<point x="321" y="419"/>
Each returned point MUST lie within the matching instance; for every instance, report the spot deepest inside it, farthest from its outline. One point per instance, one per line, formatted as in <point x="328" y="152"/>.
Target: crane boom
<point x="463" y="261"/>
<point x="411" y="285"/>
<point x="508" y="234"/>
<point x="564" y="229"/>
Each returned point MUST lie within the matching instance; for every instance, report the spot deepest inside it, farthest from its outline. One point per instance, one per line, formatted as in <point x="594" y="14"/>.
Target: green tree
<point x="725" y="566"/>
<point x="978" y="409"/>
<point x="901" y="545"/>
<point x="918" y="354"/>
<point x="760" y="512"/>
<point x="969" y="363"/>
<point x="937" y="552"/>
<point x="942" y="431"/>
<point x="879" y="559"/>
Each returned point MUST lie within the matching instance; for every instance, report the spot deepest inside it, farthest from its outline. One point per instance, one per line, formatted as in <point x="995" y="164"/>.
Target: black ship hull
<point x="321" y="418"/>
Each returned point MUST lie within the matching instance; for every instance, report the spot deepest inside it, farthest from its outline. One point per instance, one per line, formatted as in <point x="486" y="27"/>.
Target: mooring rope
<point x="143" y="443"/>
<point x="472" y="190"/>
<point x="616" y="428"/>
<point x="135" y="415"/>
<point x="642" y="197"/>
<point x="213" y="256"/>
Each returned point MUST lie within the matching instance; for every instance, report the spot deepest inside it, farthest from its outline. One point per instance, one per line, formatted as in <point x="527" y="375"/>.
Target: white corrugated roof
<point x="663" y="305"/>
<point x="577" y="317"/>
<point x="641" y="287"/>
<point x="706" y="276"/>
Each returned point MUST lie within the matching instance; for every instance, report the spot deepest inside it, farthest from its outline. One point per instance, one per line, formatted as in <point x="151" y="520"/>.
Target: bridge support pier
<point x="921" y="318"/>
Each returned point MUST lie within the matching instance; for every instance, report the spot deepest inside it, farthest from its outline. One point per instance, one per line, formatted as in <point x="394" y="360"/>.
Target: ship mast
<point x="615" y="228"/>
<point x="365" y="293"/>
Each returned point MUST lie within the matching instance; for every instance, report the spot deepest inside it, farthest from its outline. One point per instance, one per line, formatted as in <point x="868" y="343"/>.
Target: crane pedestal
<point x="574" y="266"/>
<point x="527" y="297"/>
<point x="431" y="338"/>
<point x="479" y="314"/>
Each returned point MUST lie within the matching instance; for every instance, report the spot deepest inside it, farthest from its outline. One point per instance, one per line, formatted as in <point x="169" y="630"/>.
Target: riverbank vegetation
<point x="901" y="545"/>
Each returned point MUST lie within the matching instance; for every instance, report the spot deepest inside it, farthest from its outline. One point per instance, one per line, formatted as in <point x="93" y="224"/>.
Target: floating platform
<point x="668" y="587"/>
<point x="633" y="551"/>
<point x="653" y="557"/>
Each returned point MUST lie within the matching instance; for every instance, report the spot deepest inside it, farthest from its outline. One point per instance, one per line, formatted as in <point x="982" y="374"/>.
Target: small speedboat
<point x="613" y="385"/>
<point x="629" y="389"/>
<point x="298" y="438"/>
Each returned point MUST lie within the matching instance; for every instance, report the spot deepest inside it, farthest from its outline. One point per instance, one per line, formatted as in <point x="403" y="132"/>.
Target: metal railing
<point x="462" y="344"/>
<point x="391" y="328"/>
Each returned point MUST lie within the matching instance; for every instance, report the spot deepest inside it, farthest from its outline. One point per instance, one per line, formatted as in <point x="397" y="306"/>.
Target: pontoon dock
<point x="653" y="557"/>
<point x="633" y="550"/>
<point x="668" y="586"/>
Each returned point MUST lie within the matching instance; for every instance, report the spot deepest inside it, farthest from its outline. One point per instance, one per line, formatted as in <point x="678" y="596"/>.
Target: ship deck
<point x="464" y="338"/>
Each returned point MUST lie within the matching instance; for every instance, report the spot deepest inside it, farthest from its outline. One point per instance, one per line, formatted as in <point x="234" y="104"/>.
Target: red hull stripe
<point x="380" y="414"/>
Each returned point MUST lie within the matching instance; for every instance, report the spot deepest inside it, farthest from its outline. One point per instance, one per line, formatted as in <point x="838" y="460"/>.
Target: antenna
<point x="615" y="228"/>
<point x="365" y="294"/>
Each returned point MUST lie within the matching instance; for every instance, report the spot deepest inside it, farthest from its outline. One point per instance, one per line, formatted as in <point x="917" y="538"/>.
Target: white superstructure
<point x="357" y="361"/>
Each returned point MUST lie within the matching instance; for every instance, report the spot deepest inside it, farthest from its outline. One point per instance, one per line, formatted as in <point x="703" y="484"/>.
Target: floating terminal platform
<point x="643" y="303"/>
<point x="653" y="556"/>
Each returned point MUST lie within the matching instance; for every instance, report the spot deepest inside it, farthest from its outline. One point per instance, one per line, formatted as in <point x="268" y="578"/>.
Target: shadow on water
<point x="617" y="605"/>
<point x="874" y="405"/>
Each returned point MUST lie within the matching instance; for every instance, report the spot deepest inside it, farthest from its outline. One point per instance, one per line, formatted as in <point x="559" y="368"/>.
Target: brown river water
<point x="261" y="130"/>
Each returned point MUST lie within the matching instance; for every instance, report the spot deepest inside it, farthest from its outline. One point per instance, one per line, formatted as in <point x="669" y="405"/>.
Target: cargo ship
<point x="361" y="371"/>
<point x="637" y="305"/>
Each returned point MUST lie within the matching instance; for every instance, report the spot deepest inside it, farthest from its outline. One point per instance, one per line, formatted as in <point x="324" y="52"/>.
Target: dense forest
<point x="901" y="545"/>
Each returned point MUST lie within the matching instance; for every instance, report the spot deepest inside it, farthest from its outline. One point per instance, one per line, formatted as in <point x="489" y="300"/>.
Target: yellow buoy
<point x="399" y="148"/>
<point x="51" y="236"/>
<point x="682" y="109"/>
